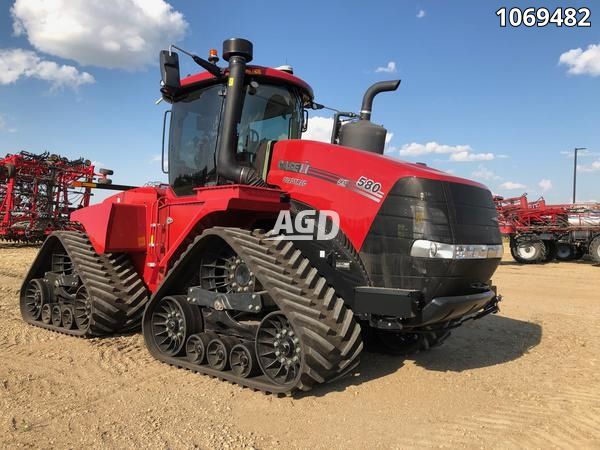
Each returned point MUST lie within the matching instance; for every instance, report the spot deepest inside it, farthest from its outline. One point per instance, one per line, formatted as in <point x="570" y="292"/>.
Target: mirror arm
<point x="206" y="65"/>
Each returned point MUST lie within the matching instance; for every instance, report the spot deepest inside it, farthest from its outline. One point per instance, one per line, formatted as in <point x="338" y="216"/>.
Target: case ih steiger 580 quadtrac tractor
<point x="216" y="294"/>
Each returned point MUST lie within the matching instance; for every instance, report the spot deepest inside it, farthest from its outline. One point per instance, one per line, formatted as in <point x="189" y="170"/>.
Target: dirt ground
<point x="527" y="377"/>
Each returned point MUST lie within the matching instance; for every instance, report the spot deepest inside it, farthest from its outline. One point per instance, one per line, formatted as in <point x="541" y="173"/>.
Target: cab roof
<point x="202" y="78"/>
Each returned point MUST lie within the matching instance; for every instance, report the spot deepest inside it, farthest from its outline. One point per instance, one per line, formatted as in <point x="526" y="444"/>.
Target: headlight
<point x="422" y="248"/>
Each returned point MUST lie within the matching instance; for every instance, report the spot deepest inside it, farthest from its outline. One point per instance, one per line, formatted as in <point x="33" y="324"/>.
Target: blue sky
<point x="478" y="100"/>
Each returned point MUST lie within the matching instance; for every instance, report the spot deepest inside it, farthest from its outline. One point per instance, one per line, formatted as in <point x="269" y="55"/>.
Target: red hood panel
<point x="354" y="183"/>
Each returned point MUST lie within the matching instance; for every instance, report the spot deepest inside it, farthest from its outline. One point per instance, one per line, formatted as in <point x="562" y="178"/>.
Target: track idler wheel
<point x="243" y="361"/>
<point x="195" y="347"/>
<point x="217" y="352"/>
<point x="172" y="321"/>
<point x="56" y="315"/>
<point x="47" y="313"/>
<point x="279" y="350"/>
<point x="36" y="296"/>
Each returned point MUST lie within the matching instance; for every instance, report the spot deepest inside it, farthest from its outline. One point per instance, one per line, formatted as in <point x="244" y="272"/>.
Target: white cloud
<point x="319" y="129"/>
<point x="458" y="153"/>
<point x="123" y="34"/>
<point x="512" y="185"/>
<point x="593" y="167"/>
<point x="546" y="185"/>
<point x="501" y="156"/>
<point x="582" y="62"/>
<point x="17" y="63"/>
<point x="483" y="173"/>
<point x="155" y="159"/>
<point x="98" y="164"/>
<point x="469" y="157"/>
<point x="389" y="68"/>
<point x="422" y="13"/>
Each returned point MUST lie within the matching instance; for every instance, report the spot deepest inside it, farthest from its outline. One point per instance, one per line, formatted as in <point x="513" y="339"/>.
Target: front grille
<point x="418" y="208"/>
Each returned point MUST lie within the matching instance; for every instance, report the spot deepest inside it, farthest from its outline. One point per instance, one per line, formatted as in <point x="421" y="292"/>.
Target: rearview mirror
<point x="169" y="70"/>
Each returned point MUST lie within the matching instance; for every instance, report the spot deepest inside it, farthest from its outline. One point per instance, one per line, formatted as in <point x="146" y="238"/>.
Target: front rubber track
<point x="118" y="294"/>
<point x="330" y="336"/>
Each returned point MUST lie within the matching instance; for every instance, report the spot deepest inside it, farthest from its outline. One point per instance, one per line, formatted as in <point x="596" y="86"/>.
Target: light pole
<point x="575" y="173"/>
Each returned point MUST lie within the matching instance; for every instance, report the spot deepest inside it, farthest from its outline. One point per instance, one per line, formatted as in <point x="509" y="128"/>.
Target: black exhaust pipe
<point x="238" y="52"/>
<point x="363" y="134"/>
<point x="377" y="88"/>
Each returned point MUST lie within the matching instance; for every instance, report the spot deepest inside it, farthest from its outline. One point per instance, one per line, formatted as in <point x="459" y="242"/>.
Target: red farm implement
<point x="37" y="194"/>
<point x="540" y="232"/>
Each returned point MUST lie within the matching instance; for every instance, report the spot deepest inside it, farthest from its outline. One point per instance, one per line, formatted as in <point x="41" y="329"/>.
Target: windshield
<point x="270" y="113"/>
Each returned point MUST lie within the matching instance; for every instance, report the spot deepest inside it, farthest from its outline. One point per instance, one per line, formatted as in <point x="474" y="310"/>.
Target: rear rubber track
<point x="118" y="295"/>
<point x="331" y="337"/>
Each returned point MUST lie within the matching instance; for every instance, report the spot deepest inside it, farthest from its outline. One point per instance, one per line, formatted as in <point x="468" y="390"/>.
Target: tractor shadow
<point x="487" y="342"/>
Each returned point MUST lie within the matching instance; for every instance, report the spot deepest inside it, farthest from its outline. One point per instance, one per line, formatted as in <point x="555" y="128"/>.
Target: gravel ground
<point x="527" y="377"/>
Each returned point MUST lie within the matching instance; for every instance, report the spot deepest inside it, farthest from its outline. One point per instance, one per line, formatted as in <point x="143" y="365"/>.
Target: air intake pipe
<point x="237" y="52"/>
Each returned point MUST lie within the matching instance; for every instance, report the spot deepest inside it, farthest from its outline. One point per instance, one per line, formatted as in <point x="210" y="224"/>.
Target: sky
<point x="504" y="106"/>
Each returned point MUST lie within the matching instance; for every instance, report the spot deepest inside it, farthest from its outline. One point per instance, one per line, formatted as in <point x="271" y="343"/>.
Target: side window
<point x="193" y="140"/>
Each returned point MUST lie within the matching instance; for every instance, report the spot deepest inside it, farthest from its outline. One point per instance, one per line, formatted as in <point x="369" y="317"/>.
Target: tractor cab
<point x="267" y="106"/>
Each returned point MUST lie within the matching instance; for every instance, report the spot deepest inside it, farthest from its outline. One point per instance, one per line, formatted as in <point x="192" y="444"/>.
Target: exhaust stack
<point x="363" y="134"/>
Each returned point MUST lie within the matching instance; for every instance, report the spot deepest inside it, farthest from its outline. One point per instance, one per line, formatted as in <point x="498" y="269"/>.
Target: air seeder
<point x="540" y="232"/>
<point x="218" y="293"/>
<point x="38" y="192"/>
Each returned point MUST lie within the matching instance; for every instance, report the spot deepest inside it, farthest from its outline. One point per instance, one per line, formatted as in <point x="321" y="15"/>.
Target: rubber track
<point x="118" y="294"/>
<point x="331" y="337"/>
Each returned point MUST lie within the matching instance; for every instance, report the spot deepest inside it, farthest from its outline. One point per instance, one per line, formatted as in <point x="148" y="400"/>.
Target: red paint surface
<point x="356" y="212"/>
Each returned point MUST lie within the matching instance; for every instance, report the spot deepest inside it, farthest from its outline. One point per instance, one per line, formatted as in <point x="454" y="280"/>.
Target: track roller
<point x="195" y="347"/>
<point x="217" y="352"/>
<point x="68" y="318"/>
<point x="47" y="313"/>
<point x="56" y="315"/>
<point x="243" y="361"/>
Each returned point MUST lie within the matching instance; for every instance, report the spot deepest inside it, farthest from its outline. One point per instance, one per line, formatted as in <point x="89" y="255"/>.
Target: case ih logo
<point x="307" y="225"/>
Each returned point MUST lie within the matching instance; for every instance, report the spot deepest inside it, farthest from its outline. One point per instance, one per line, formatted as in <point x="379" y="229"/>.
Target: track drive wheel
<point x="36" y="296"/>
<point x="595" y="249"/>
<point x="528" y="250"/>
<point x="172" y="321"/>
<point x="279" y="350"/>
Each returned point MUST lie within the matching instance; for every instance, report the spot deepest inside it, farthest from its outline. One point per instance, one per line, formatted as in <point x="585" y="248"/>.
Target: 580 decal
<point x="368" y="185"/>
<point x="369" y="188"/>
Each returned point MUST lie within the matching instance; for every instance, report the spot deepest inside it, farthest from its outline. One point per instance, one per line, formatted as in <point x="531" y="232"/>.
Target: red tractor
<point x="216" y="293"/>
